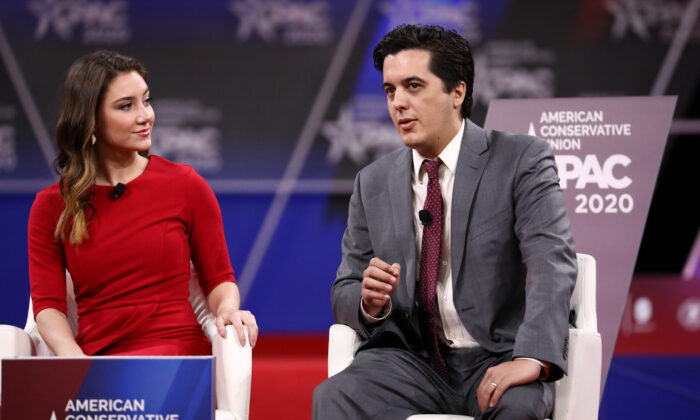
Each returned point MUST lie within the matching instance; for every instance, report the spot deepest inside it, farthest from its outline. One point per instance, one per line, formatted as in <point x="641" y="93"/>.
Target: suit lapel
<point x="473" y="155"/>
<point x="402" y="218"/>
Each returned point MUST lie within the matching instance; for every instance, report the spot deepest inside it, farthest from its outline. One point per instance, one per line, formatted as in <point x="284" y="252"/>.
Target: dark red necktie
<point x="430" y="268"/>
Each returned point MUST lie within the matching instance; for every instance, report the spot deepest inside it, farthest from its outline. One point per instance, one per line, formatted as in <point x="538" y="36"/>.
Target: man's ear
<point x="458" y="94"/>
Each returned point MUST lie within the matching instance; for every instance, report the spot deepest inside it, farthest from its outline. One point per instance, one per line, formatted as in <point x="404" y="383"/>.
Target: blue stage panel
<point x="652" y="387"/>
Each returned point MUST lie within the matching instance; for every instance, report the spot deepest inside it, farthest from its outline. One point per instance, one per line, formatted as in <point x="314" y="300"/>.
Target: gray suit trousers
<point x="392" y="383"/>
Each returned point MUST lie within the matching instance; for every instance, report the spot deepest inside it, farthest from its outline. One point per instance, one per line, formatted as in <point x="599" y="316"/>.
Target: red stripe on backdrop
<point x="291" y="344"/>
<point x="661" y="317"/>
<point x="286" y="369"/>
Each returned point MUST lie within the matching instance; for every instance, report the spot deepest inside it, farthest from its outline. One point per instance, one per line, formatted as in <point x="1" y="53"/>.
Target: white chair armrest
<point x="577" y="395"/>
<point x="233" y="366"/>
<point x="14" y="342"/>
<point x="199" y="303"/>
<point x="343" y="341"/>
<point x="223" y="415"/>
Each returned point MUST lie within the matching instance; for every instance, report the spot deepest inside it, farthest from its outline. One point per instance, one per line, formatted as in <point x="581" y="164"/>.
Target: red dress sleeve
<point x="209" y="252"/>
<point x="47" y="263"/>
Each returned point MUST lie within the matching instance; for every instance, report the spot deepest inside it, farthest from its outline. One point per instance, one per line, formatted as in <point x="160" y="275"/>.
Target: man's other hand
<point x="379" y="281"/>
<point x="501" y="377"/>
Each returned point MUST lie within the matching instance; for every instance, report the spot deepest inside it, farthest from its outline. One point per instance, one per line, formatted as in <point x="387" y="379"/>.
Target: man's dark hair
<point x="450" y="55"/>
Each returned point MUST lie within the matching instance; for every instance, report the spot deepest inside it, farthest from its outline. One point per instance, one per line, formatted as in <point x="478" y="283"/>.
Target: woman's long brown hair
<point x="83" y="91"/>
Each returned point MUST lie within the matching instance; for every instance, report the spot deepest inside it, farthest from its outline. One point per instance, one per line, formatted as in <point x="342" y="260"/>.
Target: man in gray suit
<point x="458" y="260"/>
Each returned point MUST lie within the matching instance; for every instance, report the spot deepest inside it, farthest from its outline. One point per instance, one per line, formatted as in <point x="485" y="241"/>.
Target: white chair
<point x="232" y="362"/>
<point x="577" y="395"/>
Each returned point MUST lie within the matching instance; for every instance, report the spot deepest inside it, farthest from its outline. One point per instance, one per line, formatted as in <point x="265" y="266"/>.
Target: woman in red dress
<point x="126" y="226"/>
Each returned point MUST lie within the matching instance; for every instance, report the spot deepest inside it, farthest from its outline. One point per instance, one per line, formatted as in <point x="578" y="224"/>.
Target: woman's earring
<point x="93" y="139"/>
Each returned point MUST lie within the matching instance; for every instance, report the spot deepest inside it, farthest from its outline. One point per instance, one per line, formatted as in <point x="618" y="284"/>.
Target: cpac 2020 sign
<point x="608" y="152"/>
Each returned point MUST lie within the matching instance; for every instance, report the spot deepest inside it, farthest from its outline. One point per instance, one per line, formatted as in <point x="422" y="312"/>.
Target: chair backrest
<point x="197" y="300"/>
<point x="71" y="309"/>
<point x="583" y="299"/>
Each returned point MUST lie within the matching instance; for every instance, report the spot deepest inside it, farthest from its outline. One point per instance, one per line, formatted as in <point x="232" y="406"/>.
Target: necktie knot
<point x="431" y="167"/>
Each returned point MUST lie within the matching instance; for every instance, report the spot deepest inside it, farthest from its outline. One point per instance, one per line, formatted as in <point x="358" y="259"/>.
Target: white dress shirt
<point x="450" y="328"/>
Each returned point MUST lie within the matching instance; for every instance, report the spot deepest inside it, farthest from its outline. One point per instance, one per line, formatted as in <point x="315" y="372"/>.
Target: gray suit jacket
<point x="513" y="258"/>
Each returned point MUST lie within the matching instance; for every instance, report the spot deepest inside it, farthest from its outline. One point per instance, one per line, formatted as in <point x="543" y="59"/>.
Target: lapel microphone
<point x="118" y="190"/>
<point x="425" y="217"/>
